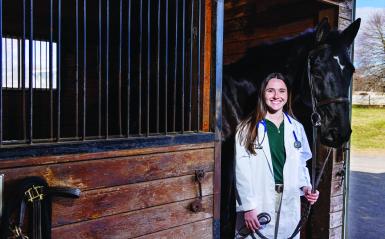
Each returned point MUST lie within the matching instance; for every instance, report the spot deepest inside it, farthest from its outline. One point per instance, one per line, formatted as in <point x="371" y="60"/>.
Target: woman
<point x="271" y="173"/>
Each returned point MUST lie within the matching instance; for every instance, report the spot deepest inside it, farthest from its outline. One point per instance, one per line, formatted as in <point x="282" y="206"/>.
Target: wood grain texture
<point x="30" y="161"/>
<point x="137" y="223"/>
<point x="336" y="219"/>
<point x="102" y="173"/>
<point x="335" y="233"/>
<point x="237" y="43"/>
<point x="201" y="229"/>
<point x="207" y="58"/>
<point x="336" y="203"/>
<point x="105" y="202"/>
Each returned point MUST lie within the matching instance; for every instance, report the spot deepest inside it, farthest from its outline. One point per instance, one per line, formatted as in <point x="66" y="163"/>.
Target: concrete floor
<point x="366" y="205"/>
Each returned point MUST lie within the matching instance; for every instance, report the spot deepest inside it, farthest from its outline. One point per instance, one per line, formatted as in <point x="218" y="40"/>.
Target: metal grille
<point x="99" y="69"/>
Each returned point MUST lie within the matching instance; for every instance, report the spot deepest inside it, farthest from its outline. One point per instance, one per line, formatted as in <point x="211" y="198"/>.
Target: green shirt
<point x="277" y="149"/>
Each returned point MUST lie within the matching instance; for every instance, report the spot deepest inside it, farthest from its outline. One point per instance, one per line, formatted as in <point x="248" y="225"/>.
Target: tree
<point x="370" y="48"/>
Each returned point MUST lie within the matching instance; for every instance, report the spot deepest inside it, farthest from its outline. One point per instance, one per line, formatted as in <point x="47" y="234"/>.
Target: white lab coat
<point x="255" y="183"/>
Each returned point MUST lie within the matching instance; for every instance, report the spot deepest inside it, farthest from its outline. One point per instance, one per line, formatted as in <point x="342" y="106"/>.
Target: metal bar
<point x="128" y="65"/>
<point x="100" y="68"/>
<point x="40" y="74"/>
<point x="101" y="145"/>
<point x="120" y="67"/>
<point x="30" y="118"/>
<point x="183" y="62"/>
<point x="77" y="68"/>
<point x="1" y="76"/>
<point x="140" y="67"/>
<point x="58" y="69"/>
<point x="84" y="68"/>
<point x="166" y="68"/>
<point x="175" y="65"/>
<point x="158" y="69"/>
<point x="50" y="59"/>
<point x="107" y="61"/>
<point x="148" y="66"/>
<point x="18" y="64"/>
<point x="11" y="60"/>
<point x="191" y="63"/>
<point x="218" y="113"/>
<point x="35" y="61"/>
<point x="6" y="62"/>
<point x="23" y="71"/>
<point x="46" y="66"/>
<point x="199" y="64"/>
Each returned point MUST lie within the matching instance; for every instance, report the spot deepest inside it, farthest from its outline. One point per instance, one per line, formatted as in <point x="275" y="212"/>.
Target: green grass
<point x="368" y="125"/>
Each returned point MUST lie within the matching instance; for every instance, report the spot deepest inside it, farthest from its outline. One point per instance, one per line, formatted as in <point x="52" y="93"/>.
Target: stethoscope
<point x="297" y="143"/>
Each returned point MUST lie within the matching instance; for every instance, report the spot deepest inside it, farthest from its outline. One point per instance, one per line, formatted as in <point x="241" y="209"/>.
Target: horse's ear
<point x="348" y="35"/>
<point x="322" y="30"/>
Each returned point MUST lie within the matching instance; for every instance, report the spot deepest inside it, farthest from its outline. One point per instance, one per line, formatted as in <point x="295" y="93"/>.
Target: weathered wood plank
<point x="336" y="203"/>
<point x="23" y="162"/>
<point x="289" y="13"/>
<point x="335" y="219"/>
<point x="331" y="14"/>
<point x="335" y="233"/>
<point x="336" y="188"/>
<point x="202" y="230"/>
<point x="267" y="32"/>
<point x="337" y="170"/>
<point x="119" y="171"/>
<point x="207" y="67"/>
<point x="137" y="223"/>
<point x="262" y="7"/>
<point x="105" y="202"/>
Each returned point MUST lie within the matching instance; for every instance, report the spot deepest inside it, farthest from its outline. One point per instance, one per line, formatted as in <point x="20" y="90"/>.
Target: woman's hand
<point x="251" y="220"/>
<point x="311" y="197"/>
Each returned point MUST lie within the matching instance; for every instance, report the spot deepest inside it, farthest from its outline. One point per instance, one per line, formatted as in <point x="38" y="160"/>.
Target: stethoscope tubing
<point x="297" y="143"/>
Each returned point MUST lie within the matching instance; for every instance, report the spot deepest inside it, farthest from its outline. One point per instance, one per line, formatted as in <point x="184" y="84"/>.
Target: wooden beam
<point x="92" y="174"/>
<point x="137" y="223"/>
<point x="115" y="200"/>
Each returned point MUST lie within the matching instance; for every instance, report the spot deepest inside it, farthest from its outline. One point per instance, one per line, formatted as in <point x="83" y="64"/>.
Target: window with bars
<point x="100" y="69"/>
<point x="14" y="64"/>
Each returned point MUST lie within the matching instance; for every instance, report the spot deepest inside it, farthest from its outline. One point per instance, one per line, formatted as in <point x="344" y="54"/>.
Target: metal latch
<point x="196" y="206"/>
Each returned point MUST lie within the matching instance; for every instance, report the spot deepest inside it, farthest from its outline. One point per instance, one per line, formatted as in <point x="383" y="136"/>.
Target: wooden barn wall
<point x="249" y="23"/>
<point x="139" y="193"/>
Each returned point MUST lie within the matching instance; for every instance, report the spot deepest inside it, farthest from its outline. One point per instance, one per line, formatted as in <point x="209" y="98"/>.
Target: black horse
<point x="319" y="54"/>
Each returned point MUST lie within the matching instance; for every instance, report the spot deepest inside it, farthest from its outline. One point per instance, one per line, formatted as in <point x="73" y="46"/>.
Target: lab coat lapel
<point x="289" y="137"/>
<point x="265" y="146"/>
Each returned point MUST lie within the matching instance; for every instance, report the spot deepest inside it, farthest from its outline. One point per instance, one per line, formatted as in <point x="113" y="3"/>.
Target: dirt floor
<point x="366" y="205"/>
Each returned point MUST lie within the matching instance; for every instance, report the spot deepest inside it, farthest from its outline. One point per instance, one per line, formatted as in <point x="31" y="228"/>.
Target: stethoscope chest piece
<point x="297" y="144"/>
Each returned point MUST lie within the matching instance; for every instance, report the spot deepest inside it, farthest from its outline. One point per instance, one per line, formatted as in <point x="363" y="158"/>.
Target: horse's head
<point x="329" y="73"/>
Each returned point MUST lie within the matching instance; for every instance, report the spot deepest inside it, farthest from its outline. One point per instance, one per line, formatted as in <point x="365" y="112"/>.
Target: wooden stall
<point x="114" y="98"/>
<point x="249" y="23"/>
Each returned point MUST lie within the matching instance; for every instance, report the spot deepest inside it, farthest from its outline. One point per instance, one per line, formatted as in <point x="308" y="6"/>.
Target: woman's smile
<point x="276" y="95"/>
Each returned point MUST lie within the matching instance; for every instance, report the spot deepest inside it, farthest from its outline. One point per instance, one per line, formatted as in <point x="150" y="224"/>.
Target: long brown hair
<point x="248" y="127"/>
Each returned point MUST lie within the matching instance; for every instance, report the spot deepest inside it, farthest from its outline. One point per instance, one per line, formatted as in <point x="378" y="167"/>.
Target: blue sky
<point x="371" y="3"/>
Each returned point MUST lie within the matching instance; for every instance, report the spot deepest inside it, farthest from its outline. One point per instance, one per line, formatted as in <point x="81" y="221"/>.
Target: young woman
<point x="271" y="173"/>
